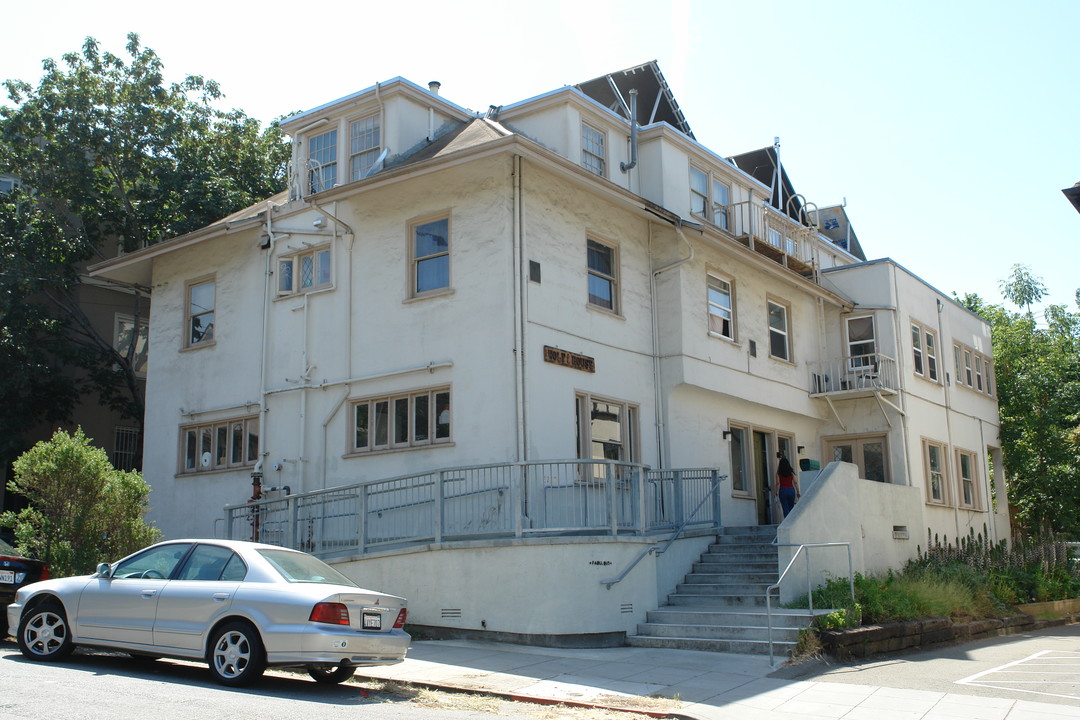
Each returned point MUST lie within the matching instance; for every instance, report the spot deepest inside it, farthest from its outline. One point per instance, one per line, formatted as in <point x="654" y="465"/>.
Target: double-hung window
<point x="363" y="146"/>
<point x="220" y="445"/>
<point x="607" y="430"/>
<point x="603" y="261"/>
<point x="936" y="475"/>
<point x="779" y="337"/>
<point x="593" y="150"/>
<point x="199" y="322"/>
<point x="322" y="161"/>
<point x="973" y="369"/>
<point x="709" y="197"/>
<point x="429" y="248"/>
<point x="924" y="351"/>
<point x="407" y="420"/>
<point x="721" y="304"/>
<point x="966" y="463"/>
<point x="305" y="271"/>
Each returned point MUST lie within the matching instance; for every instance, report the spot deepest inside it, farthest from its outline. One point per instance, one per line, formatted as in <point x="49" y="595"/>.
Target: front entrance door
<point x="763" y="477"/>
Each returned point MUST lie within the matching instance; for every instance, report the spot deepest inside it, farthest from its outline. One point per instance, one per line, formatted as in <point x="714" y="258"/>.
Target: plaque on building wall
<point x="569" y="359"/>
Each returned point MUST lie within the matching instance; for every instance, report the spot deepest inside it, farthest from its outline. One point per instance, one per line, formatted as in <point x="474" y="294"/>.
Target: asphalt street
<point x="1042" y="666"/>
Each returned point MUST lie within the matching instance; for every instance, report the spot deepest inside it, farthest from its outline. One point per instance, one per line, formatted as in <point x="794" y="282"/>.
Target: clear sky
<point x="950" y="126"/>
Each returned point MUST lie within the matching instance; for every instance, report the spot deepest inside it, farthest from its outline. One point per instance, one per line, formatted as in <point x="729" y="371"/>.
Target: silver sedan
<point x="238" y="606"/>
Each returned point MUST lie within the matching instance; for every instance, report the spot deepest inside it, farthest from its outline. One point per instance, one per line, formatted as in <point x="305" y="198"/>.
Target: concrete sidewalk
<point x="683" y="683"/>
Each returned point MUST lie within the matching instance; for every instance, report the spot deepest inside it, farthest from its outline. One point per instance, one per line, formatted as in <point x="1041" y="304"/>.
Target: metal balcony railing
<point x="770" y="232"/>
<point x="513" y="500"/>
<point x="855" y="374"/>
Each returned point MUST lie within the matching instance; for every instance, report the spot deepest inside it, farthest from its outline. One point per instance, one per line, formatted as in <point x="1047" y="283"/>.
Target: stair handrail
<point x="809" y="591"/>
<point x="717" y="479"/>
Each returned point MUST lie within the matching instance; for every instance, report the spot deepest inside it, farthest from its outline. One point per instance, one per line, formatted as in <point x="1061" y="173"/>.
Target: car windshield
<point x="6" y="549"/>
<point x="300" y="567"/>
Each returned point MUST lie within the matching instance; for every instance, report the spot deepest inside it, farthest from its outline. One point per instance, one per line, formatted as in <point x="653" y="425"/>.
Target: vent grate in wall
<point x="451" y="613"/>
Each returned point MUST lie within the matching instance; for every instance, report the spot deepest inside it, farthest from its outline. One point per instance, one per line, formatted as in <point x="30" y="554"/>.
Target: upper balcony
<point x="855" y="376"/>
<point x="771" y="233"/>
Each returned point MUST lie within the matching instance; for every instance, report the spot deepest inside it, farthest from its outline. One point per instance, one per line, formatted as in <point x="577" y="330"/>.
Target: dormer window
<point x="364" y="146"/>
<point x="712" y="207"/>
<point x="593" y="150"/>
<point x="322" y="160"/>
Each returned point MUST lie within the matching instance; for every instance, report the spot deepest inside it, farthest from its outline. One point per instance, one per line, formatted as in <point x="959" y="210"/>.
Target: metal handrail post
<point x="677" y="492"/>
<point x="362" y="515"/>
<point x="438" y="490"/>
<point x="517" y="497"/>
<point x="613" y="517"/>
<point x="228" y="523"/>
<point x="643" y="514"/>
<point x="292" y="506"/>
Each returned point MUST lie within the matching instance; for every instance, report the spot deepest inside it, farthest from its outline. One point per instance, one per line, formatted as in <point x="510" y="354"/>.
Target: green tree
<point x="82" y="511"/>
<point x="112" y="157"/>
<point x="1037" y="366"/>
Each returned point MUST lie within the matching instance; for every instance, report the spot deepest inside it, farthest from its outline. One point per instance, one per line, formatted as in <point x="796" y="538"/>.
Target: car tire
<point x="44" y="634"/>
<point x="236" y="656"/>
<point x="331" y="674"/>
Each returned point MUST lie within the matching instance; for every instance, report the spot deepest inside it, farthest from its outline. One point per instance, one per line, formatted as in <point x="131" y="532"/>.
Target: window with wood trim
<point x="721" y="307"/>
<point x="219" y="445"/>
<point x="429" y="250"/>
<point x="779" y="336"/>
<point x="967" y="464"/>
<point x="936" y="472"/>
<point x="305" y="271"/>
<point x="199" y="321"/>
<point x="407" y="420"/>
<point x="603" y="267"/>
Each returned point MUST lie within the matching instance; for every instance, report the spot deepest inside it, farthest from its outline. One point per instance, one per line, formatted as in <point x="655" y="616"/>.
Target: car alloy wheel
<point x="331" y="674"/>
<point x="44" y="634"/>
<point x="236" y="654"/>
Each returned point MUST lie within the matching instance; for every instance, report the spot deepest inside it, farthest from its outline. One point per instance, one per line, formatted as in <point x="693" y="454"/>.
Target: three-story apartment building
<point x="548" y="281"/>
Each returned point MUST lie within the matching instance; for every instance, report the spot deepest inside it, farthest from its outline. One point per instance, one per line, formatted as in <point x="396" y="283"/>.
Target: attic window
<point x="322" y="159"/>
<point x="593" y="152"/>
<point x="363" y="146"/>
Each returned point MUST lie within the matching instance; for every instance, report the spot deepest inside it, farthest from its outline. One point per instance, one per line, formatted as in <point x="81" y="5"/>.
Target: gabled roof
<point x="655" y="101"/>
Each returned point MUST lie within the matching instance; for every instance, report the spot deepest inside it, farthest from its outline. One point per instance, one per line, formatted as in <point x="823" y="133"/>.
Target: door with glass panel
<point x="868" y="453"/>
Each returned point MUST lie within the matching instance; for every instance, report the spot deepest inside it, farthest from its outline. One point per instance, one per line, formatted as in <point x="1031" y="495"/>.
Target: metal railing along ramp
<point x="509" y="500"/>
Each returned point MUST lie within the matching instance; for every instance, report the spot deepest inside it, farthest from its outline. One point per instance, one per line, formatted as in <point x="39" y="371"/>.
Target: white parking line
<point x="1036" y="665"/>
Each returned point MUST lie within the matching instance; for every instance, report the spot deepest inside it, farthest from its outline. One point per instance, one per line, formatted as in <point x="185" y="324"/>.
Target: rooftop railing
<point x="513" y="500"/>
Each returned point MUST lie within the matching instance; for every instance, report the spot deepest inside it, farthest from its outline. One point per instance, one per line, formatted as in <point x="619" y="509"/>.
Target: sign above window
<point x="569" y="359"/>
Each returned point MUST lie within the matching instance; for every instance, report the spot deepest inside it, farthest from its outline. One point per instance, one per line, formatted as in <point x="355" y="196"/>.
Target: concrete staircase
<point x="720" y="606"/>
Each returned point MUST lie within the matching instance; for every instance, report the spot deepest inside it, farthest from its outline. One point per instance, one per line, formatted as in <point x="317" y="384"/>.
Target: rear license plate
<point x="372" y="621"/>
<point x="7" y="577"/>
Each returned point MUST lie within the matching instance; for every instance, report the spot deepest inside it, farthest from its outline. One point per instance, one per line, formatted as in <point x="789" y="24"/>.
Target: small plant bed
<point x="947" y="594"/>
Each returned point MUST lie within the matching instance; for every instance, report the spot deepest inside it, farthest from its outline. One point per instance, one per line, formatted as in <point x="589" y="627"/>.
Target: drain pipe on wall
<point x="627" y="167"/>
<point x="268" y="274"/>
<point x="521" y="295"/>
<point x="662" y="440"/>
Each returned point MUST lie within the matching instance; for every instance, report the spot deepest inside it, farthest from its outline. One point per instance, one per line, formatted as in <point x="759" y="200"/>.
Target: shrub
<point x="81" y="510"/>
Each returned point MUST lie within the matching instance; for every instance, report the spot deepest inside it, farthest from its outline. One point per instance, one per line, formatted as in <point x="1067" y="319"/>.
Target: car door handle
<point x="221" y="596"/>
<point x="149" y="593"/>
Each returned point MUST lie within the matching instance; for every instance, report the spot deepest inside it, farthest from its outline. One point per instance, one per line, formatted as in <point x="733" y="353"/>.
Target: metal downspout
<point x="267" y="290"/>
<point x="520" y="312"/>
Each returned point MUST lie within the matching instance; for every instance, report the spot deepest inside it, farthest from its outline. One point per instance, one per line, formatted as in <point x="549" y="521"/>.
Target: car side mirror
<point x="103" y="570"/>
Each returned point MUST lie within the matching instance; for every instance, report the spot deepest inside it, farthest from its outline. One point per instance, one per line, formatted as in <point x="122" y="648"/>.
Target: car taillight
<point x="45" y="573"/>
<point x="328" y="612"/>
<point x="400" y="622"/>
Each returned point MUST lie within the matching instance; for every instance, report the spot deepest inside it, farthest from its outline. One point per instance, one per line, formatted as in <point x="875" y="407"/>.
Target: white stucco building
<point x="440" y="289"/>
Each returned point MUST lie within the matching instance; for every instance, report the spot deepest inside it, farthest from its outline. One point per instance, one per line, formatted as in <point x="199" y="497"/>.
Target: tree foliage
<point x="110" y="156"/>
<point x="1037" y="365"/>
<point x="82" y="511"/>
